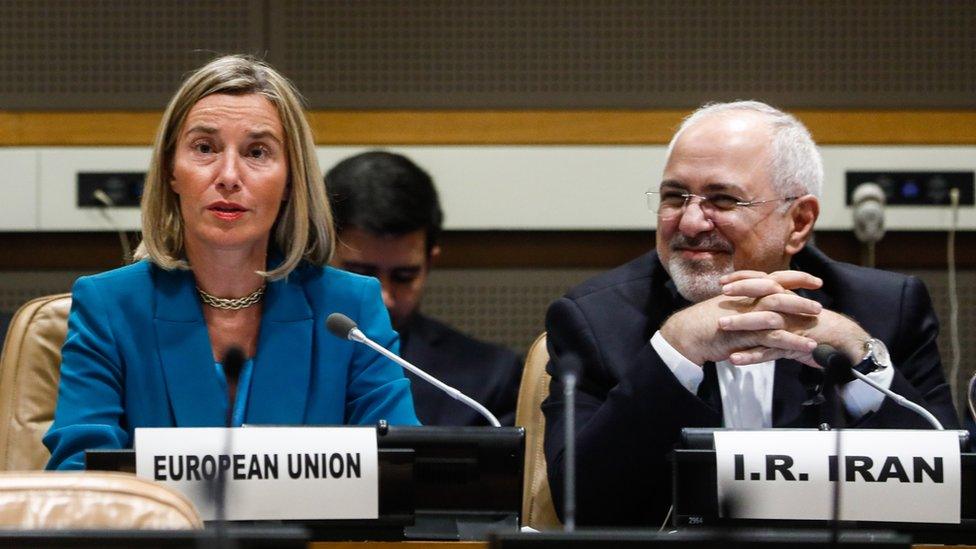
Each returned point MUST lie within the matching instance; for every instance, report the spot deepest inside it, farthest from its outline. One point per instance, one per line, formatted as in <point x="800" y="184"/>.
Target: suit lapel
<point x="184" y="351"/>
<point x="283" y="365"/>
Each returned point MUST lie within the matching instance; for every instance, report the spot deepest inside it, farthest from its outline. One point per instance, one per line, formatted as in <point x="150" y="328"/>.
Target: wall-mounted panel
<point x="19" y="189"/>
<point x="58" y="205"/>
<point x="507" y="187"/>
<point x="594" y="188"/>
<point x="835" y="214"/>
<point x="535" y="187"/>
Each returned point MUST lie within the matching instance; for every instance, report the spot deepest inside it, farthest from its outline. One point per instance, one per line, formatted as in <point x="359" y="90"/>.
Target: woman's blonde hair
<point x="304" y="227"/>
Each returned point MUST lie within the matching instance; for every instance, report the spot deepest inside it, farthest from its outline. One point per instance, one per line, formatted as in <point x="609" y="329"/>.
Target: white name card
<point x="270" y="473"/>
<point x="885" y="475"/>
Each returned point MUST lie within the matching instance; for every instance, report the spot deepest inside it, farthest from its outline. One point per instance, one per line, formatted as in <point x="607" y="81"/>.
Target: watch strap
<point x="866" y="366"/>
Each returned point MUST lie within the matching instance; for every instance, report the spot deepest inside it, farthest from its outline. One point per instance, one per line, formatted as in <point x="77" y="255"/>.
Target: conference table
<point x="479" y="473"/>
<point x="471" y="545"/>
<point x="398" y="545"/>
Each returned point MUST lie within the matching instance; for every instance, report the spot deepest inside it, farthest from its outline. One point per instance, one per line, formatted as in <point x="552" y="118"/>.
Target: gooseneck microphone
<point x="570" y="368"/>
<point x="232" y="364"/>
<point x="344" y="327"/>
<point x="838" y="367"/>
<point x="837" y="371"/>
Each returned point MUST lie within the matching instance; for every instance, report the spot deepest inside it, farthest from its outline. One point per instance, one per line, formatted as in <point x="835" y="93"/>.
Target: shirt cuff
<point x="860" y="398"/>
<point x="689" y="374"/>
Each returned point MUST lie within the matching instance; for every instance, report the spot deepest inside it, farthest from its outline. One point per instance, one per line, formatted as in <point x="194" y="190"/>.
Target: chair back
<point x="29" y="374"/>
<point x="537" y="508"/>
<point x="41" y="500"/>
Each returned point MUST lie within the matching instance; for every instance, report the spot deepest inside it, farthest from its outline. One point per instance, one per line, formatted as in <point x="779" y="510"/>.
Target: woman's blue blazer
<point x="138" y="354"/>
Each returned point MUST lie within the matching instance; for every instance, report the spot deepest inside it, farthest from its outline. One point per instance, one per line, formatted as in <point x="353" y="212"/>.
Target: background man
<point x="715" y="328"/>
<point x="389" y="218"/>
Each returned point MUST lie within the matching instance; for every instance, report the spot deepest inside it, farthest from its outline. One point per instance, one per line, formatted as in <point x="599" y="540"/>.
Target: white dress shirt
<point x="747" y="391"/>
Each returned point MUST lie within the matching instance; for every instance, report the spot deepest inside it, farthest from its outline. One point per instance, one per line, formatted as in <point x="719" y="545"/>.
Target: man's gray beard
<point x="697" y="282"/>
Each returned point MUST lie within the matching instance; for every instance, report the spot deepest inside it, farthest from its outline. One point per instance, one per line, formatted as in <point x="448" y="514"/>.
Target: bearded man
<point x="716" y="327"/>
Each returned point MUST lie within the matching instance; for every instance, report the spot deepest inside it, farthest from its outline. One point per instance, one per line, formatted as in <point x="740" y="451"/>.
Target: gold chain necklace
<point x="232" y="304"/>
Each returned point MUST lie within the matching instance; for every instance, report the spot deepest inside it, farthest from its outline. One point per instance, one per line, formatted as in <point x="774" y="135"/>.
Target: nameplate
<point x="883" y="475"/>
<point x="267" y="473"/>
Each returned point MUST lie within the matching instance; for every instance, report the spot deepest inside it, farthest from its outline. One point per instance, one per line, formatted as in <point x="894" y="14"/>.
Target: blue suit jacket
<point x="138" y="354"/>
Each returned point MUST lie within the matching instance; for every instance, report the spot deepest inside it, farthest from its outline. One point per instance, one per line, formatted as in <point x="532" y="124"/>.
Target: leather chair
<point x="31" y="499"/>
<point x="104" y="501"/>
<point x="537" y="508"/>
<point x="29" y="374"/>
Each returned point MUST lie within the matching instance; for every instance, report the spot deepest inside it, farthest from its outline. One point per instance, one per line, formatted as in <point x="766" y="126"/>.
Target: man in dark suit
<point x="389" y="218"/>
<point x="716" y="327"/>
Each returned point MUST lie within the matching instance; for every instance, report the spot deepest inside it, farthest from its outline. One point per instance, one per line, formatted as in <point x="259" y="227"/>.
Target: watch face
<point x="879" y="353"/>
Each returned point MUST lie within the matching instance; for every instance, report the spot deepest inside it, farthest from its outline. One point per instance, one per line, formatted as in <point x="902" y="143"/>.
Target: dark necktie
<point x="708" y="390"/>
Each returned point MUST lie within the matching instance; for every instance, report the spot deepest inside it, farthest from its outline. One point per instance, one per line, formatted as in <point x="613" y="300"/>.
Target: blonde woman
<point x="237" y="233"/>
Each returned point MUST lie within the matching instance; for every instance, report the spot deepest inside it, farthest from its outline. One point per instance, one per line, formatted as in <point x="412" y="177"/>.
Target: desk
<point x="478" y="545"/>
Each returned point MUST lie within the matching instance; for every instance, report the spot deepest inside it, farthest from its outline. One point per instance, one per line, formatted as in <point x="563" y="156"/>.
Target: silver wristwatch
<point x="876" y="357"/>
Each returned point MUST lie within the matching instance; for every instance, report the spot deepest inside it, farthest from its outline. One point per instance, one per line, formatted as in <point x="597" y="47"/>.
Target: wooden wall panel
<point x="530" y="127"/>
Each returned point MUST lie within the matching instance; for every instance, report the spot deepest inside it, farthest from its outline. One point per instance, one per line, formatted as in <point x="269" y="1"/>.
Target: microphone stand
<point x="233" y="363"/>
<point x="569" y="452"/>
<point x="839" y="370"/>
<point x="902" y="401"/>
<point x="837" y="413"/>
<point x="344" y="327"/>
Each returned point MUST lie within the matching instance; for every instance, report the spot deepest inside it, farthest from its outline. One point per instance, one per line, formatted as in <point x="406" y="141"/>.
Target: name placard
<point x="269" y="473"/>
<point x="884" y="475"/>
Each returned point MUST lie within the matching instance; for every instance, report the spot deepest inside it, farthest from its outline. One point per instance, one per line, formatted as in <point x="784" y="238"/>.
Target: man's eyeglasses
<point x="672" y="203"/>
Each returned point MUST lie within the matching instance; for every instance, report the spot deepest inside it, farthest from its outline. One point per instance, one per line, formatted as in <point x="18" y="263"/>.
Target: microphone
<point x="839" y="368"/>
<point x="344" y="327"/>
<point x="570" y="368"/>
<point x="233" y="363"/>
<point x="835" y="364"/>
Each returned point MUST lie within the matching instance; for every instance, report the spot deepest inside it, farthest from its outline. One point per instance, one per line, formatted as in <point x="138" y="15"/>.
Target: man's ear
<point x="803" y="215"/>
<point x="432" y="256"/>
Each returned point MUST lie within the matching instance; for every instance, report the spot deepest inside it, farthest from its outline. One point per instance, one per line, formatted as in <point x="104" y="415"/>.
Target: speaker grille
<point x="501" y="53"/>
<point x="938" y="286"/>
<point x="449" y="53"/>
<point x="505" y="306"/>
<point x="108" y="54"/>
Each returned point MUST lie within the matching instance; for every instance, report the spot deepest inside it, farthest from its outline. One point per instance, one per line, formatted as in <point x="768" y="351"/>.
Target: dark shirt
<point x="488" y="373"/>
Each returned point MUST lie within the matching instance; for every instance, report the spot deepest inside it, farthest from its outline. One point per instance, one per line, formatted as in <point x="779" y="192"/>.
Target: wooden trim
<point x="43" y="129"/>
<point x="473" y="127"/>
